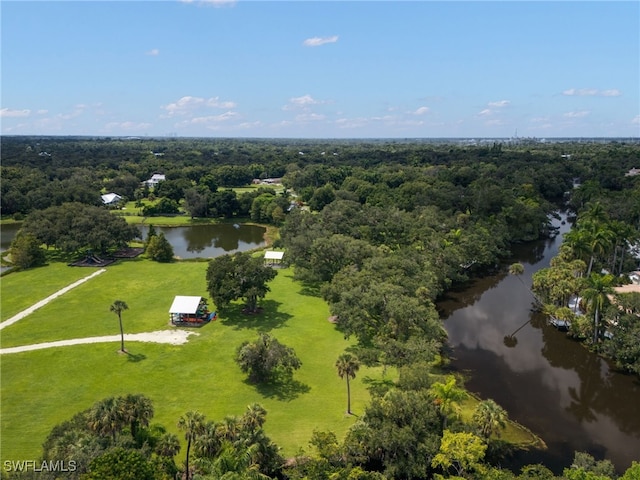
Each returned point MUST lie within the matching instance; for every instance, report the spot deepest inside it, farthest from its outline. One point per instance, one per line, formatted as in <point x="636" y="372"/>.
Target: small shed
<point x="271" y="257"/>
<point x="189" y="310"/>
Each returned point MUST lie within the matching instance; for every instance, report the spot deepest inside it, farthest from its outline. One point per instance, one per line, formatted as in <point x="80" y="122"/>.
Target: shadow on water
<point x="570" y="397"/>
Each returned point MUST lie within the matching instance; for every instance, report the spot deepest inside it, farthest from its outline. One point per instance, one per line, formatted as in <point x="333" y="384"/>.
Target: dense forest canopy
<point x="379" y="229"/>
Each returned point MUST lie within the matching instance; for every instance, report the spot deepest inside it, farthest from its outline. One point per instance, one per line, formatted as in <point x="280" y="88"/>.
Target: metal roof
<point x="185" y="304"/>
<point x="273" y="255"/>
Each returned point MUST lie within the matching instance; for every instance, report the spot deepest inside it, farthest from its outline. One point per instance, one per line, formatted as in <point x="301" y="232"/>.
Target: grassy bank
<point x="514" y="433"/>
<point x="43" y="388"/>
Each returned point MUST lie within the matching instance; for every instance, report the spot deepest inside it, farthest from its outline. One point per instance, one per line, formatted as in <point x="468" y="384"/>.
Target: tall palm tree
<point x="490" y="417"/>
<point x="192" y="423"/>
<point x="118" y="307"/>
<point x="599" y="287"/>
<point x="600" y="238"/>
<point x="347" y="366"/>
<point x="447" y="397"/>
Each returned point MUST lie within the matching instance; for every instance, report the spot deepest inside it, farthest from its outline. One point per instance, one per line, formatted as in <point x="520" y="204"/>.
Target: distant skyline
<point x="321" y="69"/>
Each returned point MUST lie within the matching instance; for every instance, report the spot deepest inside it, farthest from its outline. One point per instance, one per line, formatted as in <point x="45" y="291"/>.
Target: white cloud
<point x="188" y="104"/>
<point x="578" y="114"/>
<point x="636" y="120"/>
<point x="302" y="103"/>
<point x="499" y="104"/>
<point x="8" y="113"/>
<point x="317" y="41"/>
<point x="421" y="111"/>
<point x="42" y="112"/>
<point x="154" y="52"/>
<point x="591" y="92"/>
<point x="485" y="112"/>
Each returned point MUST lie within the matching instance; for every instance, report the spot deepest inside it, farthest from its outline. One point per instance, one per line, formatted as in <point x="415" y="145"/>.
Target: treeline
<point x="115" y="439"/>
<point x="39" y="172"/>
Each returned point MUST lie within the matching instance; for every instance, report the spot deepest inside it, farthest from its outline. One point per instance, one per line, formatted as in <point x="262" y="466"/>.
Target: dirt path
<point x="42" y="303"/>
<point x="173" y="337"/>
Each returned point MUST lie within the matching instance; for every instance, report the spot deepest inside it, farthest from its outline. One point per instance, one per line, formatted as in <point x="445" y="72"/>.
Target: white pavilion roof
<point x="185" y="304"/>
<point x="273" y="255"/>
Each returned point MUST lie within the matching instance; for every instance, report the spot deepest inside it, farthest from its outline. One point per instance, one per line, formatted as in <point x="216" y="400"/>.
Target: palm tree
<point x="347" y="366"/>
<point x="490" y="417"/>
<point x="446" y="397"/>
<point x="168" y="445"/>
<point x="105" y="418"/>
<point x="599" y="237"/>
<point x="599" y="287"/>
<point x="254" y="417"/>
<point x="118" y="307"/>
<point x="238" y="462"/>
<point x="137" y="410"/>
<point x="192" y="423"/>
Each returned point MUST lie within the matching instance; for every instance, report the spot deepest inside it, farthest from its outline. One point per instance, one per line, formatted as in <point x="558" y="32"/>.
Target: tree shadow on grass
<point x="136" y="357"/>
<point x="267" y="319"/>
<point x="284" y="389"/>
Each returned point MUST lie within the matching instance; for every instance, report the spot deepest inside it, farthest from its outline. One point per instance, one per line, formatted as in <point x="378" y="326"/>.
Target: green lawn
<point x="43" y="388"/>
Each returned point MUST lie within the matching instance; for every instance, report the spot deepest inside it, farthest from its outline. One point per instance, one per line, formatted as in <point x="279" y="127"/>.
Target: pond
<point x="197" y="241"/>
<point x="8" y="232"/>
<point x="209" y="241"/>
<point x="573" y="399"/>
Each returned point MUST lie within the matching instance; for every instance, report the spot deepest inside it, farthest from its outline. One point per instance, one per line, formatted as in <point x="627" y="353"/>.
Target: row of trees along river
<point x="572" y="398"/>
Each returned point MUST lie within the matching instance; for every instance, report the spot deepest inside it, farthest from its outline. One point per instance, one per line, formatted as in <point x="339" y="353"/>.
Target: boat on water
<point x="560" y="324"/>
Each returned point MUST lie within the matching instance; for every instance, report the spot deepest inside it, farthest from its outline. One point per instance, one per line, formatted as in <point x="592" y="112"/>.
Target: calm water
<point x="208" y="241"/>
<point x="201" y="241"/>
<point x="7" y="234"/>
<point x="569" y="397"/>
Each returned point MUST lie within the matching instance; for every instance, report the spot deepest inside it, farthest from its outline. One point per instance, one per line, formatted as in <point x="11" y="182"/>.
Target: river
<point x="573" y="399"/>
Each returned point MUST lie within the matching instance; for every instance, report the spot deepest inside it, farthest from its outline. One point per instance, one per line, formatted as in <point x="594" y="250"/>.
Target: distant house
<point x="111" y="198"/>
<point x="633" y="172"/>
<point x="155" y="179"/>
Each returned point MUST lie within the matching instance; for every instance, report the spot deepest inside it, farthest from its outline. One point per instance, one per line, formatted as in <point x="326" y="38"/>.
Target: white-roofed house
<point x="155" y="179"/>
<point x="111" y="198"/>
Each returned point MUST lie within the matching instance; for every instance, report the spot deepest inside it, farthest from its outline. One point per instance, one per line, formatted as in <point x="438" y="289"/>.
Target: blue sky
<point x="330" y="69"/>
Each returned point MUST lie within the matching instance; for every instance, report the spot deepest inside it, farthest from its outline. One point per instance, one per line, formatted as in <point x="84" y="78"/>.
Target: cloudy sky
<point x="334" y="69"/>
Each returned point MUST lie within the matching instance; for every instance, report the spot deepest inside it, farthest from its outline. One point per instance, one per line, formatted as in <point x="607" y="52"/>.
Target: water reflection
<point x="573" y="399"/>
<point x="7" y="234"/>
<point x="208" y="241"/>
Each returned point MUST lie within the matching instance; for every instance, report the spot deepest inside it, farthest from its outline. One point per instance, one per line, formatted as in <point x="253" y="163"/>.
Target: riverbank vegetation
<point x="375" y="232"/>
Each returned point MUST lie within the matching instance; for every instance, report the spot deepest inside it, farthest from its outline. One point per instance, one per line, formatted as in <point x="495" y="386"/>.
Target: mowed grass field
<point x="46" y="387"/>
